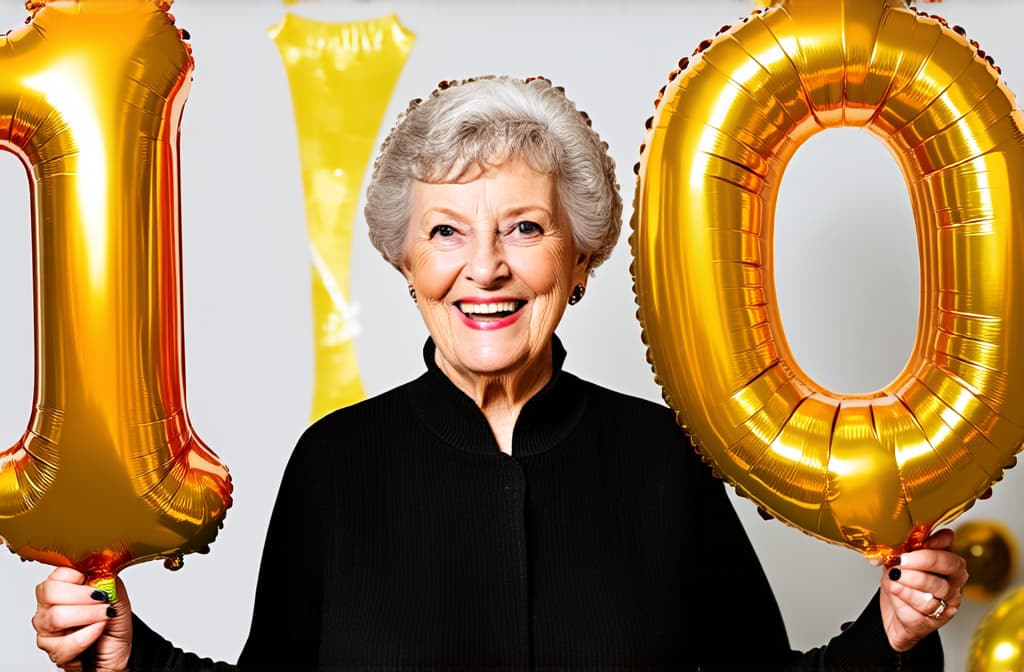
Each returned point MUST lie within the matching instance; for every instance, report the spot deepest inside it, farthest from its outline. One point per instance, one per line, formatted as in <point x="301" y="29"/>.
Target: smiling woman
<point x="493" y="264"/>
<point x="497" y="512"/>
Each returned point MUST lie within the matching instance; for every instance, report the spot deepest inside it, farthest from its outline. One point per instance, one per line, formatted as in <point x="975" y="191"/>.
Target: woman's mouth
<point x="491" y="314"/>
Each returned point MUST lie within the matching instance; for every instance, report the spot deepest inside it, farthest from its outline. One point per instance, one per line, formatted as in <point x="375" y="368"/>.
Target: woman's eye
<point x="529" y="228"/>
<point x="442" y="230"/>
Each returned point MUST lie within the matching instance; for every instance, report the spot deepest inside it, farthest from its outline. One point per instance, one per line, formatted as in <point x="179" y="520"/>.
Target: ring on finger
<point x="937" y="614"/>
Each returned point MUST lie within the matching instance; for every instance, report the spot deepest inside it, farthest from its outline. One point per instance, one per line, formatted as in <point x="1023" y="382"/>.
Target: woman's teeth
<point x="489" y="308"/>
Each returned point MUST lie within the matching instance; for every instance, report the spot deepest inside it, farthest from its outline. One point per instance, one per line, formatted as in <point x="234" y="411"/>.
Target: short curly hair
<point x="483" y="122"/>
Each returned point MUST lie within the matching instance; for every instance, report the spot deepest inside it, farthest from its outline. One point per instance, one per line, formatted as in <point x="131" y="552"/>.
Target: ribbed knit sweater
<point x="403" y="538"/>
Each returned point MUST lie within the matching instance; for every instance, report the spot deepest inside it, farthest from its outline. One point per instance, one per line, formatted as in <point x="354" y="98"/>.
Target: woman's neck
<point x="501" y="397"/>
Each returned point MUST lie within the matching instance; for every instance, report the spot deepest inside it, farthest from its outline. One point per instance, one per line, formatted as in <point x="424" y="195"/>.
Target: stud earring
<point x="412" y="293"/>
<point x="577" y="294"/>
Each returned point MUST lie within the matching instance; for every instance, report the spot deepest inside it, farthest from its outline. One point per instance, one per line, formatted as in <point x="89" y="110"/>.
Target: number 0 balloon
<point x="875" y="472"/>
<point x="109" y="471"/>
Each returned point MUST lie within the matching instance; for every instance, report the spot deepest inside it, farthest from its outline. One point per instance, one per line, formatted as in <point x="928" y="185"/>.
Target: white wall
<point x="845" y="244"/>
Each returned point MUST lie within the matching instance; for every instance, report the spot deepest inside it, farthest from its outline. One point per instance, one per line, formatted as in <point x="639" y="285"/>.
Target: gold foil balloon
<point x="991" y="554"/>
<point x="998" y="643"/>
<point x="109" y="471"/>
<point x="875" y="472"/>
<point x="341" y="77"/>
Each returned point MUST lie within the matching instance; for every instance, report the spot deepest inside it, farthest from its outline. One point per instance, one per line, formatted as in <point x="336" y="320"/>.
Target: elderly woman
<point x="497" y="512"/>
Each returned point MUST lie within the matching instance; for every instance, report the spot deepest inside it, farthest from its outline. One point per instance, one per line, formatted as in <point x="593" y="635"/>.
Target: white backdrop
<point x="847" y="276"/>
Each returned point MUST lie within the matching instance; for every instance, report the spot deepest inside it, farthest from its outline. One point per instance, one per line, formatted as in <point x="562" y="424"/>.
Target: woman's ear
<point x="406" y="269"/>
<point x="582" y="269"/>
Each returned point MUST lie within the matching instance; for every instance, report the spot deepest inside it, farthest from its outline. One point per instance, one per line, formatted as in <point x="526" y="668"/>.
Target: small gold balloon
<point x="998" y="643"/>
<point x="991" y="554"/>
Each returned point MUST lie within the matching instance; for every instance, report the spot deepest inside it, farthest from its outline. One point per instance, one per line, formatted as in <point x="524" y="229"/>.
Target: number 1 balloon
<point x="878" y="471"/>
<point x="109" y="471"/>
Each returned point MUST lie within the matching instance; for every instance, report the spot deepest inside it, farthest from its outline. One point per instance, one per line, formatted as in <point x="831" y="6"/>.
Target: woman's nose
<point x="487" y="264"/>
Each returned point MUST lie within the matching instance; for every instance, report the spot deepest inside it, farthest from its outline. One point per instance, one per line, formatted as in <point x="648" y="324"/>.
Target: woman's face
<point x="493" y="263"/>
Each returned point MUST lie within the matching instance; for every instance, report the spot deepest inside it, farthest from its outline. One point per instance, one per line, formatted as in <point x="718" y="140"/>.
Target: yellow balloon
<point x="110" y="471"/>
<point x="341" y="77"/>
<point x="998" y="643"/>
<point x="875" y="472"/>
<point x="990" y="551"/>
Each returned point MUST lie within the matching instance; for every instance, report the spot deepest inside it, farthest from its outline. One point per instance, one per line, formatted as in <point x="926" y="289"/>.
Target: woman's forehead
<point x="512" y="186"/>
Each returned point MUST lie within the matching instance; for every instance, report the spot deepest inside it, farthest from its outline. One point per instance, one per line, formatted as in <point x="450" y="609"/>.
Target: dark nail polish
<point x="111" y="612"/>
<point x="99" y="596"/>
<point x="894" y="574"/>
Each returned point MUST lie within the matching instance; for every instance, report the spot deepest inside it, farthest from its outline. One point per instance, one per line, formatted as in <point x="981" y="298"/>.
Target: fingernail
<point x="111" y="612"/>
<point x="894" y="574"/>
<point x="99" y="596"/>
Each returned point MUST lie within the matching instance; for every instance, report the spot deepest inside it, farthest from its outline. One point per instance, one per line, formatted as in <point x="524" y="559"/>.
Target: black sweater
<point x="402" y="538"/>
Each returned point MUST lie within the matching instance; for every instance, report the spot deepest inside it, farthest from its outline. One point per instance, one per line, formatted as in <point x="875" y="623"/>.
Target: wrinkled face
<point x="493" y="262"/>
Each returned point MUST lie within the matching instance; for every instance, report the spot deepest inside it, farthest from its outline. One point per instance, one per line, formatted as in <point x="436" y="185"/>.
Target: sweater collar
<point x="545" y="420"/>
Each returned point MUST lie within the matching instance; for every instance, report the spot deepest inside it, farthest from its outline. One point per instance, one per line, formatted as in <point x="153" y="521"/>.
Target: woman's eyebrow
<point x="525" y="209"/>
<point x="447" y="212"/>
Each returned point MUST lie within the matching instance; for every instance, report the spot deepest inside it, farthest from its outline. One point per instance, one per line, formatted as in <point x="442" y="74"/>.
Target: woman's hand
<point x="921" y="591"/>
<point x="72" y="616"/>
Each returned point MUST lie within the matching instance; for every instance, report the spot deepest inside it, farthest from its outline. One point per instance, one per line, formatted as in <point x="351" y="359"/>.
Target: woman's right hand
<point x="71" y="616"/>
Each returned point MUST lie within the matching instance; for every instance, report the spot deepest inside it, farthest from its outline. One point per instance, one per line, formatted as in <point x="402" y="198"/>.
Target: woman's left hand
<point x="922" y="591"/>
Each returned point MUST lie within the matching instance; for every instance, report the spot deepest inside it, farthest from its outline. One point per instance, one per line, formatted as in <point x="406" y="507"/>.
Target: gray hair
<point x="483" y="122"/>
